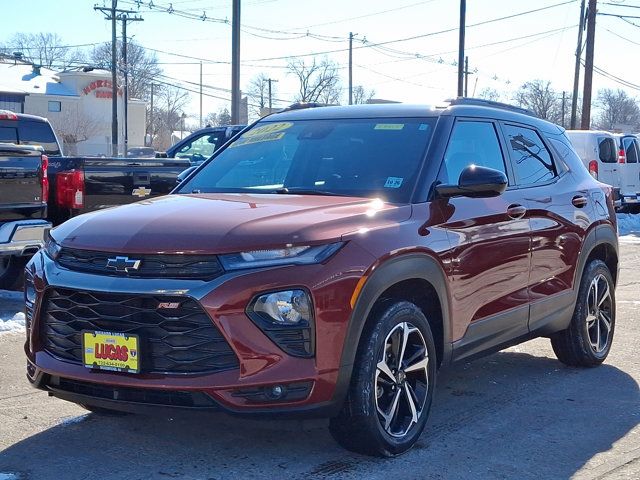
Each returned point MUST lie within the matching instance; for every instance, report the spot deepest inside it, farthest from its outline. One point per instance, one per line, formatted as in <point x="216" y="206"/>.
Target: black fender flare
<point x="397" y="269"/>
<point x="603" y="234"/>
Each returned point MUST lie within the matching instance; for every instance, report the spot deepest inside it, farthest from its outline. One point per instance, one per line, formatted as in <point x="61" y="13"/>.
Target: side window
<point x="8" y="135"/>
<point x="630" y="149"/>
<point x="532" y="162"/>
<point x="471" y="143"/>
<point x="201" y="148"/>
<point x="607" y="150"/>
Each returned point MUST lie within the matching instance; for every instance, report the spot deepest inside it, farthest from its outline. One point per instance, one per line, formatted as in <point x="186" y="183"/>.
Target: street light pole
<point x="463" y="12"/>
<point x="235" y="63"/>
<point x="269" y="81"/>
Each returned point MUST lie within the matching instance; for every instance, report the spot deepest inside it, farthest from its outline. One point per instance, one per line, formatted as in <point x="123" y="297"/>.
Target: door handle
<point x="516" y="211"/>
<point x="579" y="201"/>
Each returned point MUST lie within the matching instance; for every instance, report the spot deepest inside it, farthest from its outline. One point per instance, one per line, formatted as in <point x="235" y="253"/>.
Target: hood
<point x="224" y="223"/>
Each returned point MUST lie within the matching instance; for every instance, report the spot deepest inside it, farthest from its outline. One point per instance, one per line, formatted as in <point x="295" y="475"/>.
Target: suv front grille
<point x="179" y="340"/>
<point x="199" y="267"/>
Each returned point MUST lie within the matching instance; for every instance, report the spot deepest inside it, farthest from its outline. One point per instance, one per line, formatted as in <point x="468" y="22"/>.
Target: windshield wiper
<point x="305" y="191"/>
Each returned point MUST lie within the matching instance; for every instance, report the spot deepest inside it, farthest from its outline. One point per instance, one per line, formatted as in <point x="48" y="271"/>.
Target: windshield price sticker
<point x="267" y="137"/>
<point x="389" y="126"/>
<point x="269" y="128"/>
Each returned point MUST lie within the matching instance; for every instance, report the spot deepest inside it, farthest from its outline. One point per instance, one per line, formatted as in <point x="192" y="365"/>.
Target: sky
<point x="404" y="50"/>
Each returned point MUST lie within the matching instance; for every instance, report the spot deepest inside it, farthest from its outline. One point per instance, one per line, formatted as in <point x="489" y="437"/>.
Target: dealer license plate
<point x="117" y="352"/>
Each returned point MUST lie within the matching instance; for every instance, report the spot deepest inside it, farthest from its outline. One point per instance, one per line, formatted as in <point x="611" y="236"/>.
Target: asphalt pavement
<point x="515" y="414"/>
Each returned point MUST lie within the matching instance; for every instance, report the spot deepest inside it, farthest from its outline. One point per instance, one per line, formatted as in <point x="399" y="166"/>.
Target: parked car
<point x="201" y="144"/>
<point x="84" y="184"/>
<point x="327" y="262"/>
<point x="599" y="153"/>
<point x="628" y="154"/>
<point x="23" y="208"/>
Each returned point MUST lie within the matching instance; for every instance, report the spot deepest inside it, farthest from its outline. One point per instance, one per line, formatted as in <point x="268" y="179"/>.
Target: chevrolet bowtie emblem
<point x="123" y="264"/>
<point x="141" y="192"/>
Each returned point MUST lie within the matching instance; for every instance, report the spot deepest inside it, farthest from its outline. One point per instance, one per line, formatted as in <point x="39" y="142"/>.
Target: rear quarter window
<point x="8" y="135"/>
<point x="38" y="133"/>
<point x="607" y="150"/>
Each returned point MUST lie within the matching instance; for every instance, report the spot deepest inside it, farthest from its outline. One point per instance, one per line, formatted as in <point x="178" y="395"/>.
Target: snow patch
<point x="11" y="314"/>
<point x="628" y="224"/>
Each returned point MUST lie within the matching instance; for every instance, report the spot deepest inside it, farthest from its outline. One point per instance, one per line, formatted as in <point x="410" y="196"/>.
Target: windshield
<point x="364" y="158"/>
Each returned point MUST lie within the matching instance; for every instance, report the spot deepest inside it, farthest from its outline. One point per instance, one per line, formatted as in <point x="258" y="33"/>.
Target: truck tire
<point x="392" y="385"/>
<point x="11" y="272"/>
<point x="587" y="340"/>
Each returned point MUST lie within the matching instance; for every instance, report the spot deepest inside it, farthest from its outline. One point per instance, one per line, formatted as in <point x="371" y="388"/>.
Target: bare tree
<point x="361" y="95"/>
<point x="258" y="90"/>
<point x="541" y="99"/>
<point x="318" y="81"/>
<point x="142" y="64"/>
<point x="489" y="94"/>
<point x="224" y="117"/>
<point x="211" y="119"/>
<point x="45" y="49"/>
<point x="168" y="111"/>
<point x="616" y="110"/>
<point x="74" y="128"/>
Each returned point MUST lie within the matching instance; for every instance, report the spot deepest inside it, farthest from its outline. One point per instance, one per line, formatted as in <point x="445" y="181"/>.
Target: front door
<point x="488" y="262"/>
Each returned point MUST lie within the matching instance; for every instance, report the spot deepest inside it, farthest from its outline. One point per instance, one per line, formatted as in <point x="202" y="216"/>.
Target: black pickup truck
<point x="82" y="184"/>
<point x="23" y="208"/>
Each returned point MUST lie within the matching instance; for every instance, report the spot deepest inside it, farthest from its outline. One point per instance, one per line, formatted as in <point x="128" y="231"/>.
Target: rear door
<point x="489" y="237"/>
<point x="558" y="218"/>
<point x="631" y="169"/>
<point x="608" y="167"/>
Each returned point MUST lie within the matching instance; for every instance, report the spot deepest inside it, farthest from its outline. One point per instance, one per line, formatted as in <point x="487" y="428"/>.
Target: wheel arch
<point x="399" y="277"/>
<point x="601" y="243"/>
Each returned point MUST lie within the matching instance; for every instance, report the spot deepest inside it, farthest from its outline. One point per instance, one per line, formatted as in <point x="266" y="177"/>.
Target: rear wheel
<point x="392" y="385"/>
<point x="587" y="340"/>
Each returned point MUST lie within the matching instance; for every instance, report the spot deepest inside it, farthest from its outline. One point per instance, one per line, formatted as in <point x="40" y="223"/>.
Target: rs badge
<point x="141" y="192"/>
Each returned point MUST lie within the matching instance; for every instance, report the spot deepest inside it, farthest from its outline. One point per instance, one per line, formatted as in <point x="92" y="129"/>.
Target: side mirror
<point x="475" y="182"/>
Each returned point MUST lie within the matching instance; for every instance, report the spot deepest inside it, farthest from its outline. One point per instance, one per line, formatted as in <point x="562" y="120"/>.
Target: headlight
<point x="51" y="248"/>
<point x="300" y="255"/>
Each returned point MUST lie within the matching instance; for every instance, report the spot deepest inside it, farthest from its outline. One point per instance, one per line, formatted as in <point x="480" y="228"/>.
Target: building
<point x="76" y="102"/>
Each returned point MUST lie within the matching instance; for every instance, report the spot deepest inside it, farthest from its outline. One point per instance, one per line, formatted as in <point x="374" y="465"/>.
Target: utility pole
<point x="466" y="76"/>
<point x="463" y="12"/>
<point x="564" y="99"/>
<point x="576" y="74"/>
<point x="200" y="94"/>
<point x="269" y="81"/>
<point x="151" y="114"/>
<point x="235" y="63"/>
<point x="350" y="68"/>
<point x="125" y="65"/>
<point x="588" y="66"/>
<point x="113" y="14"/>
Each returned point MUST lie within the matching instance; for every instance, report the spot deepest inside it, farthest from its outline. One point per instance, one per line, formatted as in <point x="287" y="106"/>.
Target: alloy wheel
<point x="599" y="313"/>
<point x="402" y="379"/>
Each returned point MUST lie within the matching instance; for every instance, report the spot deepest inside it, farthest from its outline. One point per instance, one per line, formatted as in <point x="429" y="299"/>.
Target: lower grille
<point x="147" y="396"/>
<point x="180" y="340"/>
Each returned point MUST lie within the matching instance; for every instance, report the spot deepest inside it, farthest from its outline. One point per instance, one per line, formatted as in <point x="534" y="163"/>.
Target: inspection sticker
<point x="393" y="182"/>
<point x="389" y="126"/>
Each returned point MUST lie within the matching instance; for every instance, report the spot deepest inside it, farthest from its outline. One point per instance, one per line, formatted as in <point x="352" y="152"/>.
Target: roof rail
<point x="303" y="105"/>
<point x="479" y="102"/>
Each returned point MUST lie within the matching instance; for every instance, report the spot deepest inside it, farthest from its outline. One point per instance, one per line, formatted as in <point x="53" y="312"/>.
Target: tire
<point x="583" y="343"/>
<point x="12" y="272"/>
<point x="362" y="426"/>
<point x="104" y="412"/>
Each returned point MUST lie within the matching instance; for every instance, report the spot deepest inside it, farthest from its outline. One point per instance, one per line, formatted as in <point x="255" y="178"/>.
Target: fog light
<point x="277" y="391"/>
<point x="289" y="307"/>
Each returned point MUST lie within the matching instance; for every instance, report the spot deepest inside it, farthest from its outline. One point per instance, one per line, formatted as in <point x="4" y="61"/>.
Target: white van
<point x="599" y="153"/>
<point x="629" y="154"/>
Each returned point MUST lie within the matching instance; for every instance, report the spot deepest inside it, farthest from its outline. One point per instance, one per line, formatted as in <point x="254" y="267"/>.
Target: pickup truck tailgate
<point x="20" y="184"/>
<point x="111" y="182"/>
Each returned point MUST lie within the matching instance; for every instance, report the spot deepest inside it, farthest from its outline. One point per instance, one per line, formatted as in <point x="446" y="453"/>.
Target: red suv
<point x="328" y="262"/>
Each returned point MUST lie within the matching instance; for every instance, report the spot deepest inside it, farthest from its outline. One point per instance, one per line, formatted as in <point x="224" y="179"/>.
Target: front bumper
<point x="22" y="237"/>
<point x="262" y="364"/>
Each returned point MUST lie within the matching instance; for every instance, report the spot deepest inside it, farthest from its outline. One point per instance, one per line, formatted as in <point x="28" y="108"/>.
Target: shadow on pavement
<point x="510" y="415"/>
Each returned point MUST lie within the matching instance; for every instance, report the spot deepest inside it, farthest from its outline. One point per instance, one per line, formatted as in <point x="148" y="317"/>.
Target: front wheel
<point x="392" y="385"/>
<point x="587" y="340"/>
